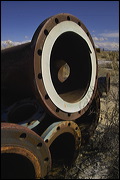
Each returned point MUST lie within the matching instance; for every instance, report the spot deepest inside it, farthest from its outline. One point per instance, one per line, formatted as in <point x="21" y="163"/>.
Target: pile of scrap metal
<point x="50" y="98"/>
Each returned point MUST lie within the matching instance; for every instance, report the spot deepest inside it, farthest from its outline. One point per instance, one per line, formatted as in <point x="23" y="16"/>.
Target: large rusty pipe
<point x="36" y="68"/>
<point x="16" y="73"/>
<point x="30" y="157"/>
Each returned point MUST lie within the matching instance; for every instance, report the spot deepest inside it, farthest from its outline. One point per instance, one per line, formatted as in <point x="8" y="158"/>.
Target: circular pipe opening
<point x="72" y="51"/>
<point x="63" y="72"/>
<point x="16" y="166"/>
<point x="22" y="113"/>
<point x="63" y="149"/>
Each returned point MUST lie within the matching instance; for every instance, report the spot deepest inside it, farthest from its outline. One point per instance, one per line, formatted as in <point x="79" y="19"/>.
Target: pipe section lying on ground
<point x="28" y="153"/>
<point x="26" y="112"/>
<point x="64" y="140"/>
<point x="38" y="68"/>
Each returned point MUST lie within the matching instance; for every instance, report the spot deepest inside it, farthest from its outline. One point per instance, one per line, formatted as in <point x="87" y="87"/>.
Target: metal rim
<point x="26" y="112"/>
<point x="52" y="101"/>
<point x="23" y="141"/>
<point x="57" y="129"/>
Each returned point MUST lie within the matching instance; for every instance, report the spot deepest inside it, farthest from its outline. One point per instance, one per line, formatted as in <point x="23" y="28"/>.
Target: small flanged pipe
<point x="63" y="138"/>
<point x="27" y="112"/>
<point x="28" y="153"/>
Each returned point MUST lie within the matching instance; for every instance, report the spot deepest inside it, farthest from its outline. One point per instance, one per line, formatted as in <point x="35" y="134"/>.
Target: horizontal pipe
<point x="16" y="73"/>
<point x="38" y="68"/>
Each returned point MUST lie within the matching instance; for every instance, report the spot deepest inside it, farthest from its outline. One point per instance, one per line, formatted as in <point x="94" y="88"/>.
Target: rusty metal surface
<point x="20" y="140"/>
<point x="26" y="112"/>
<point x="55" y="130"/>
<point x="16" y="73"/>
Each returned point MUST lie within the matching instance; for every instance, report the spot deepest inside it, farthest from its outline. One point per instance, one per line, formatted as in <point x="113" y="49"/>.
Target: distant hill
<point x="9" y="43"/>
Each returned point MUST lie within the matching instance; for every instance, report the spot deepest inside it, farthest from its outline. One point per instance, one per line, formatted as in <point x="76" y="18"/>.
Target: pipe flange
<point x="62" y="129"/>
<point x="26" y="112"/>
<point x="19" y="140"/>
<point x="64" y="39"/>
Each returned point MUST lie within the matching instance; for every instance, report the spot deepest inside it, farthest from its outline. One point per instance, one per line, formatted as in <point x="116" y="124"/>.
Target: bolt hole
<point x="40" y="75"/>
<point x="39" y="52"/>
<point x="88" y="103"/>
<point x="23" y="136"/>
<point x="56" y="20"/>
<point x="68" y="18"/>
<point x="46" y="96"/>
<point x="46" y="159"/>
<point x="58" y="128"/>
<point x="57" y="110"/>
<point x="46" y="140"/>
<point x="87" y="34"/>
<point x="76" y="128"/>
<point x="28" y="123"/>
<point x="79" y="112"/>
<point x="46" y="32"/>
<point x="79" y="23"/>
<point x="39" y="145"/>
<point x="69" y="124"/>
<point x="69" y="114"/>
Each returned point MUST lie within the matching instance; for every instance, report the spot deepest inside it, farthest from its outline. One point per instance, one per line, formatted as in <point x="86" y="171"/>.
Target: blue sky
<point x="19" y="19"/>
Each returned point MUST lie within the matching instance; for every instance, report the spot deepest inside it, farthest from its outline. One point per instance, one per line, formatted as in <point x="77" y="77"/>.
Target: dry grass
<point x="111" y="67"/>
<point x="108" y="55"/>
